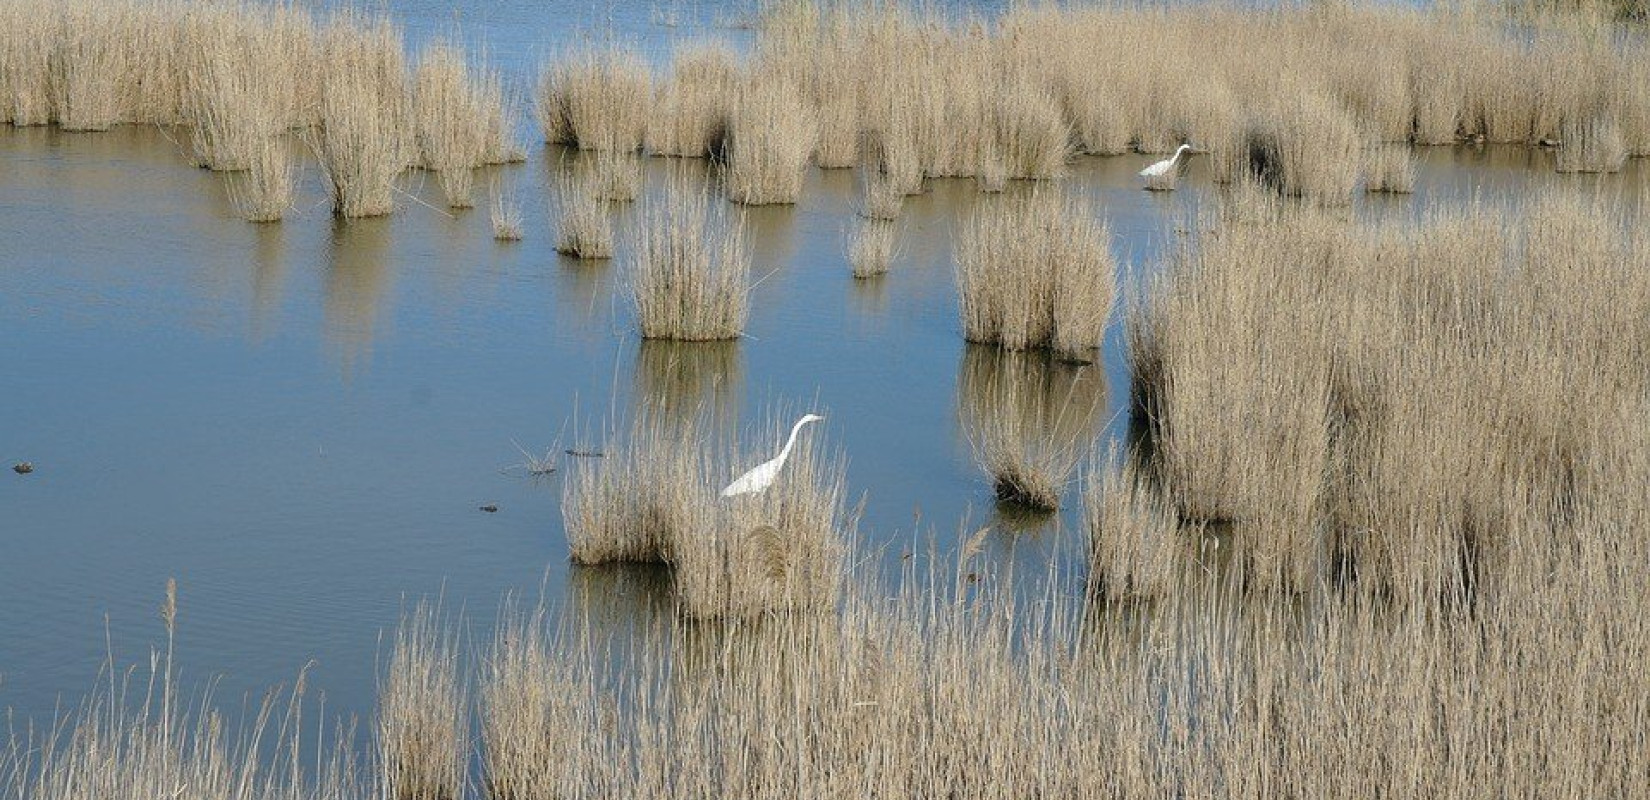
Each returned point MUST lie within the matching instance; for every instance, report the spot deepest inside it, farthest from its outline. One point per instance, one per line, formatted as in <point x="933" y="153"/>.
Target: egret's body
<point x="762" y="476"/>
<point x="1163" y="167"/>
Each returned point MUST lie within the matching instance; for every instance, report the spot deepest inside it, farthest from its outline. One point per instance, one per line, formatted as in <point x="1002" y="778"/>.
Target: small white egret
<point x="762" y="476"/>
<point x="1163" y="167"/>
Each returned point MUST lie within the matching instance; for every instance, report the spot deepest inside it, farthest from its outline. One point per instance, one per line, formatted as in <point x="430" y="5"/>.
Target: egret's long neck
<point x="795" y="429"/>
<point x="1181" y="149"/>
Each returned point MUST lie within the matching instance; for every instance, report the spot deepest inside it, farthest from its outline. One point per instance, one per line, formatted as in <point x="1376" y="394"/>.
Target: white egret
<point x="1163" y="167"/>
<point x="762" y="476"/>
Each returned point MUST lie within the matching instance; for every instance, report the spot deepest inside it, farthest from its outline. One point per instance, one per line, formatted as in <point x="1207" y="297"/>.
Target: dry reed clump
<point x="614" y="176"/>
<point x="1030" y="421"/>
<point x="584" y="229"/>
<point x="1309" y="148"/>
<point x="457" y="115"/>
<point x="233" y="60"/>
<point x="363" y="143"/>
<point x="1593" y="145"/>
<point x="1533" y="689"/>
<point x="505" y="215"/>
<point x="771" y="135"/>
<point x="27" y="36"/>
<point x="691" y="106"/>
<point x="1137" y="546"/>
<point x="1035" y="272"/>
<point x="596" y="100"/>
<point x="645" y="493"/>
<point x="652" y="498"/>
<point x="780" y="550"/>
<point x="265" y="193"/>
<point x="871" y="248"/>
<point x="535" y="713"/>
<point x="1382" y="402"/>
<point x="1388" y="168"/>
<point x="88" y="64"/>
<point x="423" y="712"/>
<point x="880" y="198"/>
<point x="689" y="275"/>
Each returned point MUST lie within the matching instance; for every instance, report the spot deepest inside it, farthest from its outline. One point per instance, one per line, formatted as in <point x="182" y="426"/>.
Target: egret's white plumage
<point x="762" y="476"/>
<point x="1162" y="168"/>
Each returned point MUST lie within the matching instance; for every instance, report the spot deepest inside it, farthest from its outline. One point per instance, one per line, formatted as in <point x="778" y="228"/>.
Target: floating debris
<point x="586" y="453"/>
<point x="490" y="508"/>
<point x="23" y="468"/>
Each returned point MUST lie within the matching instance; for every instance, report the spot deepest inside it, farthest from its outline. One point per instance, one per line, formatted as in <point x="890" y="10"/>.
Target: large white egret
<point x="1163" y="167"/>
<point x="762" y="476"/>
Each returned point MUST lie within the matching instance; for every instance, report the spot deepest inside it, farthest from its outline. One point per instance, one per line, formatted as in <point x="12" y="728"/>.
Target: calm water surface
<point x="300" y="421"/>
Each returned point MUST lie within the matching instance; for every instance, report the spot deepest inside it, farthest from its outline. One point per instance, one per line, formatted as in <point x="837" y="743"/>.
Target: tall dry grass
<point x="653" y="498"/>
<point x="1593" y="145"/>
<point x="1036" y="272"/>
<point x="770" y="137"/>
<point x="595" y="100"/>
<point x="691" y="105"/>
<point x="1382" y="401"/>
<point x="458" y="112"/>
<point x="584" y="228"/>
<point x="365" y="139"/>
<point x="1030" y="421"/>
<point x="423" y="724"/>
<point x="689" y="272"/>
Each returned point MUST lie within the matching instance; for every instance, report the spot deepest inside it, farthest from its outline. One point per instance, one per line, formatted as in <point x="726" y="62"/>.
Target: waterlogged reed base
<point x="584" y="229"/>
<point x="689" y="273"/>
<point x="423" y="711"/>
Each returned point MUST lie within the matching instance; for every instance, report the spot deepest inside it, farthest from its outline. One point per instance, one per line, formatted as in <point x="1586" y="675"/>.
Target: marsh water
<point x="301" y="422"/>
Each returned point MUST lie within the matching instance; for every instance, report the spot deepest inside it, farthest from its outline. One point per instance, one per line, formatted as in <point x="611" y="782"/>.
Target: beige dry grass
<point x="880" y="198"/>
<point x="1137" y="546"/>
<point x="266" y="192"/>
<point x="1383" y="399"/>
<point x="645" y="492"/>
<point x="871" y="248"/>
<point x="1030" y="421"/>
<point x="505" y="215"/>
<point x="691" y="106"/>
<point x="423" y="724"/>
<point x="365" y="139"/>
<point x="596" y="100"/>
<point x="777" y="551"/>
<point x="584" y="229"/>
<point x="770" y="137"/>
<point x="1035" y="272"/>
<point x="689" y="273"/>
<point x="1388" y="168"/>
<point x="455" y="114"/>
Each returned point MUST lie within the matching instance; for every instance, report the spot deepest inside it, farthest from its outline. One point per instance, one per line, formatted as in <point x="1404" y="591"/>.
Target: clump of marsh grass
<point x="1035" y="272"/>
<point x="89" y="55"/>
<point x="138" y="734"/>
<point x="1136" y="545"/>
<point x="505" y="215"/>
<point x="691" y="106"/>
<point x="1030" y="422"/>
<point x="615" y="177"/>
<point x="265" y="193"/>
<point x="1309" y="147"/>
<point x="771" y="135"/>
<point x="1389" y="168"/>
<point x="362" y="144"/>
<point x="535" y="713"/>
<point x="689" y="273"/>
<point x="423" y="720"/>
<point x="584" y="230"/>
<point x="780" y="550"/>
<point x="596" y="100"/>
<point x="456" y="115"/>
<point x="1591" y="145"/>
<point x="880" y="198"/>
<point x="26" y="44"/>
<point x="871" y="248"/>
<point x="648" y="492"/>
